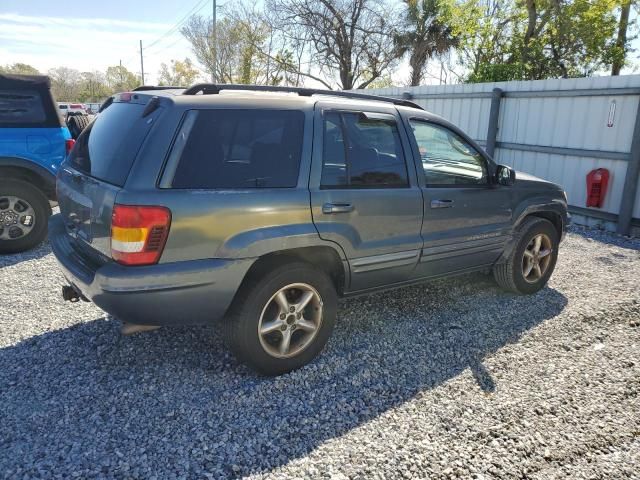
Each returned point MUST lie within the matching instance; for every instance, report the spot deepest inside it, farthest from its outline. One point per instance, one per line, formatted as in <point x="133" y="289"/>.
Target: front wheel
<point x="24" y="214"/>
<point x="528" y="268"/>
<point x="282" y="320"/>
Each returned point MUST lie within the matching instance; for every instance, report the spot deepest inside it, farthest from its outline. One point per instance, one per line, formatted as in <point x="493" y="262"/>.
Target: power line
<point x="197" y="7"/>
<point x="172" y="31"/>
<point x="153" y="54"/>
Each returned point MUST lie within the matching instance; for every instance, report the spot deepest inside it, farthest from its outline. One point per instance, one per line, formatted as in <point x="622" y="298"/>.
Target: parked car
<point x="33" y="143"/>
<point x="93" y="108"/>
<point x="72" y="108"/>
<point x="259" y="209"/>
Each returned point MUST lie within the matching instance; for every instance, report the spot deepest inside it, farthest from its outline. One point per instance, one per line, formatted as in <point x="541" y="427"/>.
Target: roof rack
<point x="143" y="88"/>
<point x="213" y="88"/>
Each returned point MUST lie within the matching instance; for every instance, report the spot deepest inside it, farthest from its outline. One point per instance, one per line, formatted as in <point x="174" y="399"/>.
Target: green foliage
<point x="427" y="32"/>
<point x="19" y="69"/>
<point x="239" y="40"/>
<point x="381" y="82"/>
<point x="181" y="74"/>
<point x="119" y="79"/>
<point x="535" y="39"/>
<point x="504" y="72"/>
<point x="92" y="87"/>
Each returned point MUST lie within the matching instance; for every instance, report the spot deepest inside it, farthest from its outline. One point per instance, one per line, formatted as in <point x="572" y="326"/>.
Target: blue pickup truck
<point x="33" y="143"/>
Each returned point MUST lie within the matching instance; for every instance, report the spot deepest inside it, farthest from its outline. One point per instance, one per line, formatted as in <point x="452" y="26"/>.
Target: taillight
<point x="138" y="233"/>
<point x="68" y="144"/>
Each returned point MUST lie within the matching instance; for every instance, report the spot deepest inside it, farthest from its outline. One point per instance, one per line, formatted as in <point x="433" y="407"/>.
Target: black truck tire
<point x="76" y="124"/>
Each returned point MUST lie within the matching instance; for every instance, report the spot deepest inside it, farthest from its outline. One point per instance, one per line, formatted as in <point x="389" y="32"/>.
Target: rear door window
<point x="21" y="107"/>
<point x="238" y="149"/>
<point x="107" y="148"/>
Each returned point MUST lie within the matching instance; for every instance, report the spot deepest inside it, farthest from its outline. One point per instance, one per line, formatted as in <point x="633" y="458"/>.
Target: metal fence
<point x="555" y="129"/>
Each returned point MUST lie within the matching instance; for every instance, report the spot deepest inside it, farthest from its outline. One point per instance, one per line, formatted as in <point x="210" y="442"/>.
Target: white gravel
<point x="454" y="379"/>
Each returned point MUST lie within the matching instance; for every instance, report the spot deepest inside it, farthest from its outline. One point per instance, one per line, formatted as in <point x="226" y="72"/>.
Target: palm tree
<point x="425" y="36"/>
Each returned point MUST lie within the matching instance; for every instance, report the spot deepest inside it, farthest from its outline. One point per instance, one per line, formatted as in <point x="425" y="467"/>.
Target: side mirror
<point x="505" y="175"/>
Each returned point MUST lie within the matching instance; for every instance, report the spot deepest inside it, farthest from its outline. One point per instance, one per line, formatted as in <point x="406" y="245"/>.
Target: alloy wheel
<point x="17" y="218"/>
<point x="536" y="258"/>
<point x="290" y="320"/>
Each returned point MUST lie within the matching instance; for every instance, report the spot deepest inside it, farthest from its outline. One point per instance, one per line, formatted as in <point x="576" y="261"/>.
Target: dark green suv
<point x="258" y="207"/>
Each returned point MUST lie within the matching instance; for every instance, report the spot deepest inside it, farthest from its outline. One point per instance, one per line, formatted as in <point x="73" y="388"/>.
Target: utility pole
<point x="141" y="63"/>
<point x="214" y="41"/>
<point x="120" y="72"/>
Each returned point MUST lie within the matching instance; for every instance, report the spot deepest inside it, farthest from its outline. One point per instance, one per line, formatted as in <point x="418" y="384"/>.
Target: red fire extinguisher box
<point x="597" y="183"/>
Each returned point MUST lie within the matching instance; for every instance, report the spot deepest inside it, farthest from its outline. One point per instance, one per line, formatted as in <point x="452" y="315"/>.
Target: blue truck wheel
<point x="24" y="214"/>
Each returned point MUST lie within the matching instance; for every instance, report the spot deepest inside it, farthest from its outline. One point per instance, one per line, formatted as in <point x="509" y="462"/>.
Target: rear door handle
<point x="441" y="203"/>
<point x="329" y="208"/>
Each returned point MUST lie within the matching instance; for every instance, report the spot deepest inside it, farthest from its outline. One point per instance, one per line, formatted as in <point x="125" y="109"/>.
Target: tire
<point x="76" y="124"/>
<point x="510" y="274"/>
<point x="26" y="195"/>
<point x="255" y="306"/>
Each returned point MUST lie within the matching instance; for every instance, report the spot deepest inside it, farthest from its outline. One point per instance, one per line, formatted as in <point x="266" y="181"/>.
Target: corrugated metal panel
<point x="568" y="122"/>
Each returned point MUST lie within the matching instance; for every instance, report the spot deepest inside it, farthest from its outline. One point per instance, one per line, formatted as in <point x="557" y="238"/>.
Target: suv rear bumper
<point x="178" y="293"/>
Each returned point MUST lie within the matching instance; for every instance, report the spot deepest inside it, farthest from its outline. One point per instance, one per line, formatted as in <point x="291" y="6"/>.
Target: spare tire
<point x="77" y="124"/>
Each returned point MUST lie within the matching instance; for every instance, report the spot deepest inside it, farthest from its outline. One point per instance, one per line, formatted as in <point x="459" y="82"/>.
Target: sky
<point x="91" y="35"/>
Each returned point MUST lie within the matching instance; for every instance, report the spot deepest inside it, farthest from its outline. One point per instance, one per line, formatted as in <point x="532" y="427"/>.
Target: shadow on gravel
<point x="86" y="400"/>
<point x="7" y="260"/>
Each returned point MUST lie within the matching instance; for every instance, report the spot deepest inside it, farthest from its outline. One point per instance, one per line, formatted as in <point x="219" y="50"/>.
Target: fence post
<point x="494" y="118"/>
<point x="630" y="181"/>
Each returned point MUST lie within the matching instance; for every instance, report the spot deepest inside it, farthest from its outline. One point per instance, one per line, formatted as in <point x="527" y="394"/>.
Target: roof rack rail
<point x="213" y="88"/>
<point x="143" y="88"/>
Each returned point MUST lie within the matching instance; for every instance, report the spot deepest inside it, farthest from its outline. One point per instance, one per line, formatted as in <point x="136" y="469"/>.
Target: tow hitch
<point x="71" y="294"/>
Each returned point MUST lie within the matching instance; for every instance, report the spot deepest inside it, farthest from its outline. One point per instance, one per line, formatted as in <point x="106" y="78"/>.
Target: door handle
<point x="441" y="203"/>
<point x="329" y="208"/>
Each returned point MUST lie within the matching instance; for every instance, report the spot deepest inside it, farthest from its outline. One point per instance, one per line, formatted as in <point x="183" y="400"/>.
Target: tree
<point x="425" y="35"/>
<point x="621" y="45"/>
<point x="65" y="84"/>
<point x="182" y="74"/>
<point x="119" y="79"/>
<point x="349" y="41"/>
<point x="484" y="31"/>
<point x="535" y="39"/>
<point x="19" y="69"/>
<point x="93" y="87"/>
<point x="225" y="66"/>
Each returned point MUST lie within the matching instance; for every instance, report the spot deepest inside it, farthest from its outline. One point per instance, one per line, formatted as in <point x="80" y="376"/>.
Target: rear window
<point x="20" y="107"/>
<point x="237" y="149"/>
<point x="107" y="148"/>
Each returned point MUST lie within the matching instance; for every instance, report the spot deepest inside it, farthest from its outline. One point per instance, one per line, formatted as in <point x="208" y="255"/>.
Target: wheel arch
<point x="28" y="171"/>
<point x="554" y="217"/>
<point x="325" y="258"/>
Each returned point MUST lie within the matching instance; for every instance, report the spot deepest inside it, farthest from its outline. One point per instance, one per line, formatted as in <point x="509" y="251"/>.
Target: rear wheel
<point x="532" y="261"/>
<point x="281" y="320"/>
<point x="24" y="214"/>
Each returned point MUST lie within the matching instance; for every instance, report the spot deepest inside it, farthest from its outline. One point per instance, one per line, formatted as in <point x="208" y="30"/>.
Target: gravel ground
<point x="452" y="379"/>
